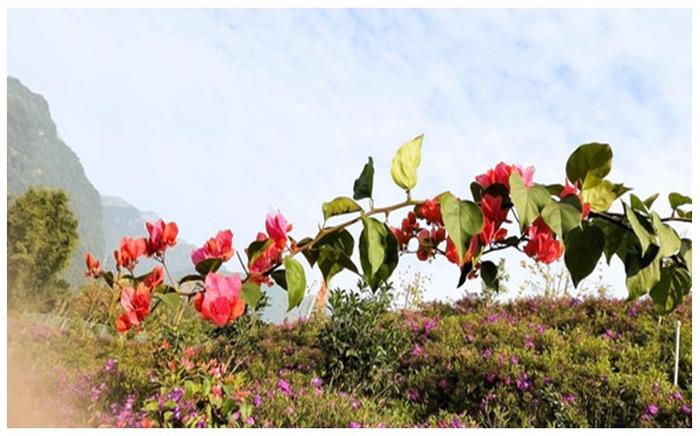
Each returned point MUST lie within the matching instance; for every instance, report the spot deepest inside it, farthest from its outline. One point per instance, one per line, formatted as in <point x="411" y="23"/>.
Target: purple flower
<point x="354" y="424"/>
<point x="284" y="387"/>
<point x="652" y="409"/>
<point x="677" y="396"/>
<point x="316" y="382"/>
<point x="470" y="338"/>
<point x="110" y="365"/>
<point x="413" y="394"/>
<point x="514" y="360"/>
<point x="685" y="409"/>
<point x="417" y="350"/>
<point x="523" y="382"/>
<point x="528" y="342"/>
<point x="569" y="398"/>
<point x="201" y="423"/>
<point x="486" y="354"/>
<point x="249" y="421"/>
<point x="442" y="384"/>
<point x="490" y="377"/>
<point x="257" y="401"/>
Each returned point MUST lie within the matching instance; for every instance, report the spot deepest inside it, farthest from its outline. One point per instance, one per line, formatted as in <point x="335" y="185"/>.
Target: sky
<point x="213" y="118"/>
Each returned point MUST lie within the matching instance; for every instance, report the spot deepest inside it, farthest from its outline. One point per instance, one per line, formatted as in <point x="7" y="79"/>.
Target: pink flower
<point x="263" y="261"/>
<point x="155" y="278"/>
<point x="136" y="304"/>
<point x="501" y="173"/>
<point x="277" y="228"/>
<point x="220" y="302"/>
<point x="160" y="237"/>
<point x="219" y="247"/>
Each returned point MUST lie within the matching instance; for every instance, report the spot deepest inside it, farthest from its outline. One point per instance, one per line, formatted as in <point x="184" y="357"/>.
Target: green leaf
<point x="561" y="217"/>
<point x="379" y="253"/>
<point x="614" y="234"/>
<point x="477" y="191"/>
<point x="190" y="278"/>
<point x="637" y="204"/>
<point x="296" y="282"/>
<point x="340" y="206"/>
<point x="363" y="185"/>
<point x="593" y="158"/>
<point x="250" y="292"/>
<point x="644" y="279"/>
<point x="208" y="265"/>
<point x="489" y="274"/>
<point x="462" y="220"/>
<point x="650" y="200"/>
<point x="686" y="253"/>
<point x="601" y="194"/>
<point x="280" y="277"/>
<point x="108" y="278"/>
<point x="171" y="300"/>
<point x="256" y="249"/>
<point x="584" y="246"/>
<point x="646" y="238"/>
<point x="528" y="202"/>
<point x="669" y="242"/>
<point x="672" y="287"/>
<point x="676" y="199"/>
<point x="332" y="260"/>
<point x="404" y="166"/>
<point x="555" y="189"/>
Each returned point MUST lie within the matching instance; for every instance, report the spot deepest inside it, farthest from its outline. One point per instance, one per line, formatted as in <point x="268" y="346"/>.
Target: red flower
<point x="491" y="232"/>
<point x="220" y="302"/>
<point x="220" y="247"/>
<point x="161" y="236"/>
<point x="136" y="304"/>
<point x="492" y="207"/>
<point x="542" y="245"/>
<point x="155" y="278"/>
<point x="501" y="173"/>
<point x="430" y="211"/>
<point x="453" y="256"/>
<point x="93" y="266"/>
<point x="129" y="252"/>
<point x="263" y="262"/>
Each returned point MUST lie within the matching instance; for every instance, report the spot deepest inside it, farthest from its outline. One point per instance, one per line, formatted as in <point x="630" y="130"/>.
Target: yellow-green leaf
<point x="404" y="166"/>
<point x="339" y="206"/>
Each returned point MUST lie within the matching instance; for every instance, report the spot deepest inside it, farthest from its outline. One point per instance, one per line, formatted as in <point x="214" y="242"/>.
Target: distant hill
<point x="36" y="157"/>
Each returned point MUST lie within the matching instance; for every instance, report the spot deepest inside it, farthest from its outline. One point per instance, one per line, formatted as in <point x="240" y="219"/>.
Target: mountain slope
<point x="36" y="157"/>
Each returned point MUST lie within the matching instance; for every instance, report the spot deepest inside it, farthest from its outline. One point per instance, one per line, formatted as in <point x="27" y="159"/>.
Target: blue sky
<point x="213" y="118"/>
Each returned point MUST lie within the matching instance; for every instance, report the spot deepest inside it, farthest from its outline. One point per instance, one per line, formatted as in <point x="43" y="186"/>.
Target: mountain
<point x="36" y="157"/>
<point x="122" y="219"/>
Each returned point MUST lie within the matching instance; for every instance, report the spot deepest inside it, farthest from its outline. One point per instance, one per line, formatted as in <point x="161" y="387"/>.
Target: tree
<point x="41" y="236"/>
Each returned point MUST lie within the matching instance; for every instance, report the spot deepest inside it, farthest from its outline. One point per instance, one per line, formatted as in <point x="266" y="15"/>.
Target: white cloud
<point x="213" y="118"/>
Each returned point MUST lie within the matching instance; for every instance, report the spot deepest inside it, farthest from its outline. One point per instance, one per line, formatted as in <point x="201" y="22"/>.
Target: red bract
<point x="277" y="228"/>
<point x="136" y="304"/>
<point x="453" y="256"/>
<point x="161" y="236"/>
<point x="221" y="301"/>
<point x="494" y="215"/>
<point x="491" y="232"/>
<point x="542" y="245"/>
<point x="93" y="266"/>
<point x="501" y="173"/>
<point x="129" y="252"/>
<point x="219" y="247"/>
<point x="263" y="262"/>
<point x="570" y="189"/>
<point x="430" y="211"/>
<point x="155" y="278"/>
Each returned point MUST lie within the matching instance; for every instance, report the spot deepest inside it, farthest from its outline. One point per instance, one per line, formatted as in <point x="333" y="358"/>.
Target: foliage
<point x="561" y="362"/>
<point x="42" y="233"/>
<point x="361" y="341"/>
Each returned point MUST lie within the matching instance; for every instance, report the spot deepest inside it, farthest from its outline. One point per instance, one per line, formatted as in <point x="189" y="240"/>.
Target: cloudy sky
<point x="213" y="118"/>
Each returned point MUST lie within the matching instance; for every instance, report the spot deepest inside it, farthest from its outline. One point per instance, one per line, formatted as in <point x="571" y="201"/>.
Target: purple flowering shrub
<point x="532" y="362"/>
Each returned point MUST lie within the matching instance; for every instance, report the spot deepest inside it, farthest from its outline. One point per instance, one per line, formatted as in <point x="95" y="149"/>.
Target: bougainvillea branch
<point x="547" y="222"/>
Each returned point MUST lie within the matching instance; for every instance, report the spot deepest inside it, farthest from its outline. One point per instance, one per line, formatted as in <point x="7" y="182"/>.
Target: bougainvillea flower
<point x="161" y="236"/>
<point x="542" y="245"/>
<point x="136" y="304"/>
<point x="430" y="211"/>
<point x="129" y="252"/>
<point x="219" y="247"/>
<point x="263" y="262"/>
<point x="491" y="232"/>
<point x="492" y="208"/>
<point x="93" y="266"/>
<point x="155" y="278"/>
<point x="277" y="229"/>
<point x="501" y="173"/>
<point x="453" y="256"/>
<point x="221" y="300"/>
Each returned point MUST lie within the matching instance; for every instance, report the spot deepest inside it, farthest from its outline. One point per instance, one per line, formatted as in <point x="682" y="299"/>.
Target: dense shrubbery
<point x="532" y="362"/>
